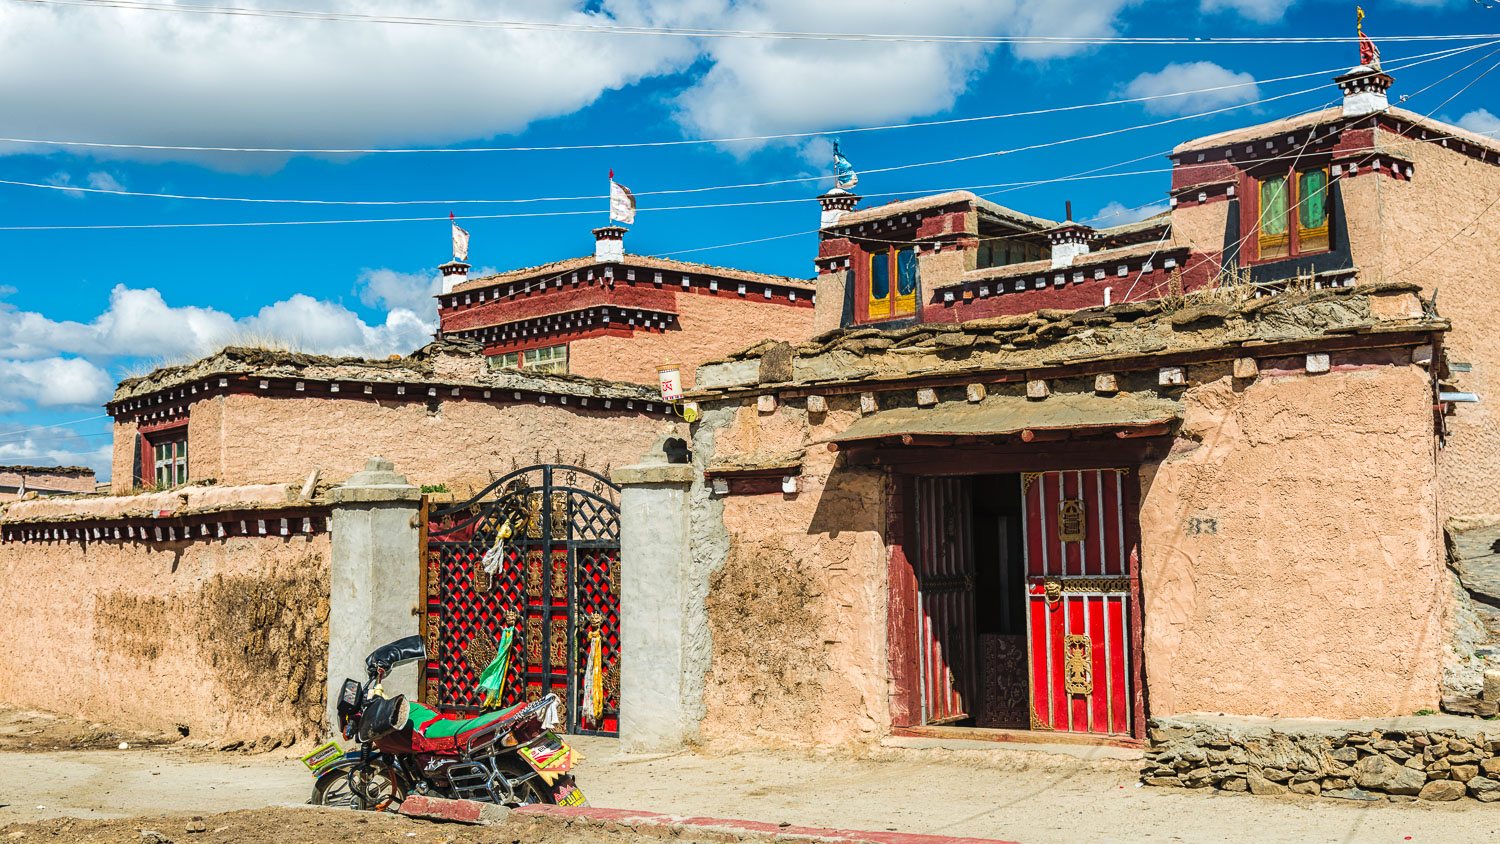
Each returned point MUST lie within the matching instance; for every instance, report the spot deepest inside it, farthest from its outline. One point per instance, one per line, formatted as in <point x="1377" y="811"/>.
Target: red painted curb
<point x="638" y="818"/>
<point x="440" y="809"/>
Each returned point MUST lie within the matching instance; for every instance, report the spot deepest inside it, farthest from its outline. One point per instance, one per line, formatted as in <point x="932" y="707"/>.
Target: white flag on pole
<point x="460" y="244"/>
<point x="621" y="202"/>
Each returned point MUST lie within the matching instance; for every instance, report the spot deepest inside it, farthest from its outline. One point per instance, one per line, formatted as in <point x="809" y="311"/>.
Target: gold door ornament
<point x="481" y="651"/>
<point x="1052" y="589"/>
<point x="534" y="574"/>
<point x="1078" y="665"/>
<point x="559" y="643"/>
<point x="434" y="625"/>
<point x="434" y="573"/>
<point x="534" y="643"/>
<point x="1072" y="521"/>
<point x="559" y="574"/>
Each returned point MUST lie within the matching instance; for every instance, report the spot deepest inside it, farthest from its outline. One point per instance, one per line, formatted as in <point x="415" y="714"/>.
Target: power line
<point x="701" y="141"/>
<point x="796" y="180"/>
<point x="677" y="191"/>
<point x="695" y="32"/>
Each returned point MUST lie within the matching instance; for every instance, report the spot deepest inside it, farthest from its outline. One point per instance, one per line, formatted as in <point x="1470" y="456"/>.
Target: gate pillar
<point x="375" y="561"/>
<point x="655" y="562"/>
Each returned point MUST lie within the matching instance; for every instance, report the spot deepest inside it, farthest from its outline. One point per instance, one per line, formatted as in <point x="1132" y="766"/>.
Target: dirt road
<point x="1008" y="794"/>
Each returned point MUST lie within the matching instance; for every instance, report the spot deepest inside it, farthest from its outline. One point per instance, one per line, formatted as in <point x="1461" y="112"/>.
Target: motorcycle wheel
<point x="373" y="788"/>
<point x="528" y="793"/>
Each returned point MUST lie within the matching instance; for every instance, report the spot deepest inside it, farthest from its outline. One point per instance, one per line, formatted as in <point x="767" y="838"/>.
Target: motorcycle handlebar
<point x="400" y="652"/>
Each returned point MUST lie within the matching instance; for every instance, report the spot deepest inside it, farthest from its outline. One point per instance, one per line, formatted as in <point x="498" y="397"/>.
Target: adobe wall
<point x="46" y="480"/>
<point x="241" y="438"/>
<point x="796" y="606"/>
<point x="1319" y="591"/>
<point x="225" y="637"/>
<point x="1441" y="230"/>
<point x="709" y="327"/>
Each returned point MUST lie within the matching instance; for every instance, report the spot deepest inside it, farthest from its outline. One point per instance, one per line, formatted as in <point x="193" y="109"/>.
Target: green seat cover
<point x="448" y="728"/>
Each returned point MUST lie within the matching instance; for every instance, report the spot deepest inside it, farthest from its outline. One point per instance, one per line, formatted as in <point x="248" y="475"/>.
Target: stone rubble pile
<point x="1398" y="765"/>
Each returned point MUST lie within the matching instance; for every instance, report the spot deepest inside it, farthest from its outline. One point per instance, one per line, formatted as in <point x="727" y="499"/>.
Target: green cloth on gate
<point x="492" y="679"/>
<point x="447" y="728"/>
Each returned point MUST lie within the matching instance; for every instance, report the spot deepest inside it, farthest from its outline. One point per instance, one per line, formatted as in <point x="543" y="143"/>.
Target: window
<point x="1312" y="213"/>
<point x="893" y="283"/>
<point x="1005" y="250"/>
<point x="169" y="460"/>
<point x="552" y="359"/>
<point x="1303" y="197"/>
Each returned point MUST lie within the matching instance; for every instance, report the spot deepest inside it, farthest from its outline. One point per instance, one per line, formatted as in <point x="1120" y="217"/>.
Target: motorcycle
<point x="510" y="757"/>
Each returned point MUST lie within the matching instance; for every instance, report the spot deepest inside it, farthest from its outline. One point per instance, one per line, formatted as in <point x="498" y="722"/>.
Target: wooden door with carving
<point x="1079" y="578"/>
<point x="945" y="599"/>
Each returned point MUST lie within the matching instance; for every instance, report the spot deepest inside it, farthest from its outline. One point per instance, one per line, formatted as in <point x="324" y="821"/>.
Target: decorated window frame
<point x="1292" y="213"/>
<point x="891" y="280"/>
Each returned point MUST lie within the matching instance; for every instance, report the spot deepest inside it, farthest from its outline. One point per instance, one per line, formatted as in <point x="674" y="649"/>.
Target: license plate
<point x="570" y="795"/>
<point x="549" y="755"/>
<point x="322" y="756"/>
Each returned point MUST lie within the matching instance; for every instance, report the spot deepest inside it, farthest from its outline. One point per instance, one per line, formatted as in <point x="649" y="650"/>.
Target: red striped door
<point x="945" y="599"/>
<point x="1078" y="601"/>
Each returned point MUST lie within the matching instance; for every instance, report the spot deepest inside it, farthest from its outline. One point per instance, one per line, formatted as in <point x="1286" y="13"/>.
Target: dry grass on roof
<point x="47" y="470"/>
<point x="1212" y="318"/>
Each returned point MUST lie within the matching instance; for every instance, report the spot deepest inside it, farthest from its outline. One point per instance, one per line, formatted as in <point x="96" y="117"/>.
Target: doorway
<point x="1024" y="602"/>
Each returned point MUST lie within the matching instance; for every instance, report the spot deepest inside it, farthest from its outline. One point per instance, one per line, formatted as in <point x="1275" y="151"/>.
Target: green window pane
<point x="880" y="275"/>
<point x="1273" y="206"/>
<point x="1312" y="186"/>
<point x="906" y="272"/>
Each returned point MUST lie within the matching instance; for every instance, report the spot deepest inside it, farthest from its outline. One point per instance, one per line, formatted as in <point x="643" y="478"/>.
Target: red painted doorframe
<point x="901" y="619"/>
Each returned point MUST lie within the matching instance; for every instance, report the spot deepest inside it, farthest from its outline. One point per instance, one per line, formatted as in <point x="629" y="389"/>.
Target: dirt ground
<point x="1003" y="793"/>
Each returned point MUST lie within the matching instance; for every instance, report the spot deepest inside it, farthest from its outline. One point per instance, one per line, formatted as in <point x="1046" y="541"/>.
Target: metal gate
<point x="1078" y="587"/>
<point x="555" y="589"/>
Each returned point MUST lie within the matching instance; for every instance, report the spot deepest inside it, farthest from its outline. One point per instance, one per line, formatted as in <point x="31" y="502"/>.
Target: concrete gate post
<point x="654" y="563"/>
<point x="374" y="576"/>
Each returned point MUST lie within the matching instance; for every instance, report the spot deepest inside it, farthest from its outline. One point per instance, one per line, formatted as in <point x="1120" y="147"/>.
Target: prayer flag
<point x="621" y="201"/>
<point x="460" y="241"/>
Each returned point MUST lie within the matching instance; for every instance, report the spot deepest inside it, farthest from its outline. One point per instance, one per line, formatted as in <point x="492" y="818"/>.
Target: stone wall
<point x="1403" y="759"/>
<point x="218" y="637"/>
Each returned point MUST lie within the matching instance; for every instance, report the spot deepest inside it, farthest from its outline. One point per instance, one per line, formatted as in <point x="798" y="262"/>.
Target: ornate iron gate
<point x="553" y="586"/>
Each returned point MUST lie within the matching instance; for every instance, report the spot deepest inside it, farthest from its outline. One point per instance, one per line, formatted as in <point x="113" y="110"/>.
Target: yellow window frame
<point x="893" y="303"/>
<point x="1314" y="238"/>
<point x="1274" y="245"/>
<point x="879" y="307"/>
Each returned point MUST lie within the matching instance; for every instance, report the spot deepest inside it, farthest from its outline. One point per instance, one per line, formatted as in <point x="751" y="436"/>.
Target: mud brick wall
<point x="225" y="639"/>
<point x="1436" y="758"/>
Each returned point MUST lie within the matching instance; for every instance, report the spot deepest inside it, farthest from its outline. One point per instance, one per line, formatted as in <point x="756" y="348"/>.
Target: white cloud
<point x="1116" y="214"/>
<point x="1192" y="76"/>
<point x="209" y="80"/>
<point x="213" y="80"/>
<point x="1482" y="122"/>
<point x="104" y="181"/>
<point x="757" y="86"/>
<point x="1263" y="11"/>
<point x="140" y="323"/>
<point x="412" y="291"/>
<point x="57" y="446"/>
<point x="52" y="382"/>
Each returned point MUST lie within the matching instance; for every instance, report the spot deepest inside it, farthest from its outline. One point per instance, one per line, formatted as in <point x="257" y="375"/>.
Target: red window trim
<point x="150" y="436"/>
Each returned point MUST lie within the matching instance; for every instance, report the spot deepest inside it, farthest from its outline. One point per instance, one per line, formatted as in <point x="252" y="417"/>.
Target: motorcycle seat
<point x="445" y="731"/>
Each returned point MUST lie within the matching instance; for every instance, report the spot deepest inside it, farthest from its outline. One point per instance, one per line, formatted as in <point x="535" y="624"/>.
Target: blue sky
<point x="81" y="308"/>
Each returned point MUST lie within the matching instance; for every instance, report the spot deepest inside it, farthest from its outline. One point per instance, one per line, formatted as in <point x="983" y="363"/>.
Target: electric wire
<point x="1396" y="64"/>
<point x="695" y="32"/>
